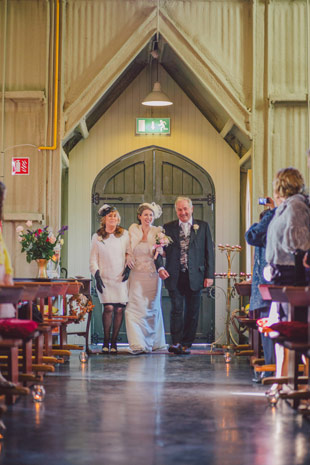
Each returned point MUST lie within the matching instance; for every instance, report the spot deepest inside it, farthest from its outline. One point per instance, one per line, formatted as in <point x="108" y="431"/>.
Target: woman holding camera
<point x="288" y="238"/>
<point x="288" y="233"/>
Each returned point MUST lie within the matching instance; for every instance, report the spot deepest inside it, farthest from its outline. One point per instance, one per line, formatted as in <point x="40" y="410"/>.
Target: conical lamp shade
<point x="157" y="98"/>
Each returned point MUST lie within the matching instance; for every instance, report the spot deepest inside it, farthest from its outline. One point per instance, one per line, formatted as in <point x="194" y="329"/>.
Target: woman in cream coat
<point x="107" y="263"/>
<point x="143" y="315"/>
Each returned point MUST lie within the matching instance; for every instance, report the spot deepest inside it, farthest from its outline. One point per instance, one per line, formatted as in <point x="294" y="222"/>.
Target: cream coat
<point x="108" y="256"/>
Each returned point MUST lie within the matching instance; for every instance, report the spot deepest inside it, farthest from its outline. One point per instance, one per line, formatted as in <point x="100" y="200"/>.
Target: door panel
<point x="154" y="174"/>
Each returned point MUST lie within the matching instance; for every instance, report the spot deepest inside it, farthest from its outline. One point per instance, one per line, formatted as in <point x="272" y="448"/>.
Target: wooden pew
<point x="64" y="288"/>
<point x="299" y="300"/>
<point x="299" y="305"/>
<point x="48" y="289"/>
<point x="9" y="348"/>
<point x="40" y="364"/>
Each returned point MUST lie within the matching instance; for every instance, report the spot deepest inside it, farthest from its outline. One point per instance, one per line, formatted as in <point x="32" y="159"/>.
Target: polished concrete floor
<point x="154" y="410"/>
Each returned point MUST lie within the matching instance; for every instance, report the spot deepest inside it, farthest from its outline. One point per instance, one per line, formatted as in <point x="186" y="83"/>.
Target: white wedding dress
<point x="144" y="320"/>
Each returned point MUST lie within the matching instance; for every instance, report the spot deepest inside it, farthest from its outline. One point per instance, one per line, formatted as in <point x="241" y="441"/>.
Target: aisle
<point x="154" y="410"/>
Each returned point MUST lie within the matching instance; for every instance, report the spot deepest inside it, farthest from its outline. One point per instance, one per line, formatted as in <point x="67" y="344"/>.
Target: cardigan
<point x="5" y="257"/>
<point x="288" y="231"/>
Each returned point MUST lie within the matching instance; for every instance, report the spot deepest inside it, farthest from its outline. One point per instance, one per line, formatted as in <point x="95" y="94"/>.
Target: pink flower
<point x="19" y="229"/>
<point x="52" y="239"/>
<point x="29" y="224"/>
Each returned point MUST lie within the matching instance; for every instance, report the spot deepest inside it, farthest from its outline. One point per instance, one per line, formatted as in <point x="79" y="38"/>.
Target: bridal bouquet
<point x="39" y="243"/>
<point x="161" y="241"/>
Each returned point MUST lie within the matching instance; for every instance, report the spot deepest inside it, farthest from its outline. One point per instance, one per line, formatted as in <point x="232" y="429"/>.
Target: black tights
<point x="107" y="317"/>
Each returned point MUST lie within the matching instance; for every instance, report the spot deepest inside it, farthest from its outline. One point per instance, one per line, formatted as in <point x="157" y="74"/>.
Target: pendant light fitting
<point x="156" y="98"/>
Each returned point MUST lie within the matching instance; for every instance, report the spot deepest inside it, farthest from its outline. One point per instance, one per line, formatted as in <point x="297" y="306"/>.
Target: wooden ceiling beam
<point x="83" y="129"/>
<point x="204" y="70"/>
<point x="228" y="127"/>
<point x="97" y="87"/>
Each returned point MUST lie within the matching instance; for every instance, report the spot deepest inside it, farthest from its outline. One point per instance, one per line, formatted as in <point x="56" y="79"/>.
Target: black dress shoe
<point x="175" y="349"/>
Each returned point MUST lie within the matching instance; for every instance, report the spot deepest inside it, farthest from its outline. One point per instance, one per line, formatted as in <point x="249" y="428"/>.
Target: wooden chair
<point x="253" y="348"/>
<point x="86" y="290"/>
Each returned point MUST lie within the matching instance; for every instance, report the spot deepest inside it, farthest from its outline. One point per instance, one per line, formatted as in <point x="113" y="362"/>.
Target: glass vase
<point x="42" y="263"/>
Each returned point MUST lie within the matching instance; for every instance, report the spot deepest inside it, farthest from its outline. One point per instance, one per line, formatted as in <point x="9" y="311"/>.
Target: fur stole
<point x="136" y="234"/>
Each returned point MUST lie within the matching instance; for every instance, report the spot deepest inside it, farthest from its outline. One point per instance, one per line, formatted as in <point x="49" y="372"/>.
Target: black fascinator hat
<point x="105" y="210"/>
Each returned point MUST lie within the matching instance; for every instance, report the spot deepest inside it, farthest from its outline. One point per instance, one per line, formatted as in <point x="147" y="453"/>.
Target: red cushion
<point x="296" y="331"/>
<point x="14" y="328"/>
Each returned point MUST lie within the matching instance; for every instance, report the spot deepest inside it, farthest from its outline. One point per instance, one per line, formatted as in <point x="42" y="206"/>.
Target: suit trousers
<point x="185" y="305"/>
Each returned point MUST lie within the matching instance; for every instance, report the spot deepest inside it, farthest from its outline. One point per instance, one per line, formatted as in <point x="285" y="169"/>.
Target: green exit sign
<point x="152" y="125"/>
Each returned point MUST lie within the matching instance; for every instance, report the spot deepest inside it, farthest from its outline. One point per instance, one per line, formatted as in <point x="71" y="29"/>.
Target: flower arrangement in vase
<point x="39" y="244"/>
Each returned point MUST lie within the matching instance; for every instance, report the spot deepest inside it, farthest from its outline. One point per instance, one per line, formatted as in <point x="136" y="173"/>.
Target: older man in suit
<point x="189" y="268"/>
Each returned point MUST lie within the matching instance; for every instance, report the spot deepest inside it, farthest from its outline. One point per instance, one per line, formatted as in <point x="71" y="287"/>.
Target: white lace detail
<point x="143" y="259"/>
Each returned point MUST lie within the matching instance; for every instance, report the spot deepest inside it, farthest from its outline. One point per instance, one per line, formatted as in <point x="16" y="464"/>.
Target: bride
<point x="143" y="314"/>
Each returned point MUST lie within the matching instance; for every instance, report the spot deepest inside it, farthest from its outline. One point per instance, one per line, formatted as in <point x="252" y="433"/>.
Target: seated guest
<point x="288" y="234"/>
<point x="6" y="277"/>
<point x="6" y="271"/>
<point x="256" y="236"/>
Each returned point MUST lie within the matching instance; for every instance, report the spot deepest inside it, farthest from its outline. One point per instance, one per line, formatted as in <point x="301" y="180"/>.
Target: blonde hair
<point x="288" y="182"/>
<point x="102" y="230"/>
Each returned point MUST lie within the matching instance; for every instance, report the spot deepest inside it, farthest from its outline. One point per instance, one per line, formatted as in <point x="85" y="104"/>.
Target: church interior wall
<point x="259" y="54"/>
<point x="114" y="136"/>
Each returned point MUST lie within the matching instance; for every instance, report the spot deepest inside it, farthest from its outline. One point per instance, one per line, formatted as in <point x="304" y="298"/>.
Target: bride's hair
<point x="156" y="209"/>
<point x="102" y="230"/>
<point x="141" y="209"/>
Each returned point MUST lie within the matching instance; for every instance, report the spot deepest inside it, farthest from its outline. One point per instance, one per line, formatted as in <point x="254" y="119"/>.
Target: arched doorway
<point x="159" y="175"/>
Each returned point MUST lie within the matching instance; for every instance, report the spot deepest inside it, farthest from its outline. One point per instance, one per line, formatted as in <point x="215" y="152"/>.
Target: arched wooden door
<point x="159" y="175"/>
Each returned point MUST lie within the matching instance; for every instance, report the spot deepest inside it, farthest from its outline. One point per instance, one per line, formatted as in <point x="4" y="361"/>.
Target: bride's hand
<point x="163" y="274"/>
<point x="130" y="263"/>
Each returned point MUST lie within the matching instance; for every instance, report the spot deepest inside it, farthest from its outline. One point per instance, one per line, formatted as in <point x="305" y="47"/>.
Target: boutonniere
<point x="195" y="227"/>
<point x="100" y="239"/>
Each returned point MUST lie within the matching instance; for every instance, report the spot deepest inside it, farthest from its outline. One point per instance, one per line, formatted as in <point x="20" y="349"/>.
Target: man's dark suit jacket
<point x="200" y="255"/>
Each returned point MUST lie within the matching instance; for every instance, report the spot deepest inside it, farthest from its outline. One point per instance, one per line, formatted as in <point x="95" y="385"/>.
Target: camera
<point x="263" y="201"/>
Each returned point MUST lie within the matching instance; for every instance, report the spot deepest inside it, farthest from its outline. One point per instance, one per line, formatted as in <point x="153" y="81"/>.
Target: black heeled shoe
<point x="113" y="348"/>
<point x="105" y="348"/>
